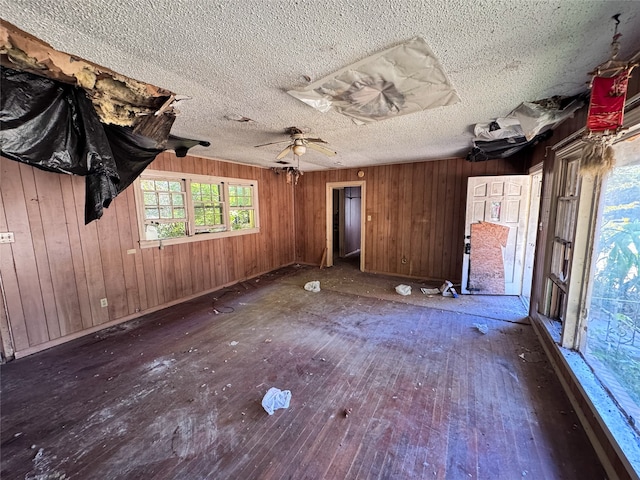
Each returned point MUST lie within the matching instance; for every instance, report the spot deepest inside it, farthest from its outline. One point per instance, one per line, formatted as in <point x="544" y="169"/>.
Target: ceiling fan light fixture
<point x="299" y="150"/>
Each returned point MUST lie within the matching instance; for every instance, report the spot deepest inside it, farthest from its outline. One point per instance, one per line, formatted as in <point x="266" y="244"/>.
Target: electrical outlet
<point x="6" y="237"/>
<point x="104" y="303"/>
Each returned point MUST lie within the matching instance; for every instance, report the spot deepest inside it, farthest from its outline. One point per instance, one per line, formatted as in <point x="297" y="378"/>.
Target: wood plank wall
<point x="58" y="269"/>
<point x="417" y="211"/>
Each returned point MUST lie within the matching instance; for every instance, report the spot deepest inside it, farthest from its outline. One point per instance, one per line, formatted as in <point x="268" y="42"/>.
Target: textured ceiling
<point x="238" y="59"/>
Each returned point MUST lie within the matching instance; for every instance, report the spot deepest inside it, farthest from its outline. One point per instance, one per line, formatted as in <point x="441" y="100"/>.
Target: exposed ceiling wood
<point x="117" y="99"/>
<point x="236" y="61"/>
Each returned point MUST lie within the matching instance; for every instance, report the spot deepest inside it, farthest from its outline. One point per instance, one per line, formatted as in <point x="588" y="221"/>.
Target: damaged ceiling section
<point x="526" y="125"/>
<point x="118" y="100"/>
<point x="404" y="79"/>
<point x="66" y="115"/>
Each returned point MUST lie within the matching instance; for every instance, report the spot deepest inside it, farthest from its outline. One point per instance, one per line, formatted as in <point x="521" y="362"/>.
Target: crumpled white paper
<point x="275" y="399"/>
<point x="403" y="289"/>
<point x="312" y="286"/>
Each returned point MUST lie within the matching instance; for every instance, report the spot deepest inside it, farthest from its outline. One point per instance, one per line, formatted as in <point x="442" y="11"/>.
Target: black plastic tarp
<point x="54" y="126"/>
<point x="503" y="148"/>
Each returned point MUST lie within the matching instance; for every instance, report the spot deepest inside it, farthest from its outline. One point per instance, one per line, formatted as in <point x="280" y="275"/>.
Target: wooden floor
<point x="176" y="395"/>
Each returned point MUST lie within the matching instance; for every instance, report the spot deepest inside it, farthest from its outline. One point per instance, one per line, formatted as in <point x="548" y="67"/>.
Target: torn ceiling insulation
<point x="526" y="125"/>
<point x="404" y="79"/>
<point x="117" y="99"/>
<point x="66" y="115"/>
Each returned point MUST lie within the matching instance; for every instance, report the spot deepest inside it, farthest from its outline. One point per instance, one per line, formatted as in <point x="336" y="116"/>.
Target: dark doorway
<point x="347" y="221"/>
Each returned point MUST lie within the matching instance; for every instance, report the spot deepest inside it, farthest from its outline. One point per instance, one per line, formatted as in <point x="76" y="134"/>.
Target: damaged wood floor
<point x="176" y="394"/>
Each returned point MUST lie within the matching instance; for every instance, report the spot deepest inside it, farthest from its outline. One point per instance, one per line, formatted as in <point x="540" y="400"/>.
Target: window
<point x="592" y="287"/>
<point x="612" y="344"/>
<point x="593" y="270"/>
<point x="562" y="240"/>
<point x="208" y="207"/>
<point x="241" y="207"/>
<point x="175" y="208"/>
<point x="165" y="214"/>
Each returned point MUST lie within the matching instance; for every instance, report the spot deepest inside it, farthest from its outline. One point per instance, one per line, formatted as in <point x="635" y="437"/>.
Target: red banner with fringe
<point x="606" y="108"/>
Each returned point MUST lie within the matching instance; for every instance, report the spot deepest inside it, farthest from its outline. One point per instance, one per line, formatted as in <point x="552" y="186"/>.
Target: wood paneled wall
<point x="417" y="211"/>
<point x="58" y="269"/>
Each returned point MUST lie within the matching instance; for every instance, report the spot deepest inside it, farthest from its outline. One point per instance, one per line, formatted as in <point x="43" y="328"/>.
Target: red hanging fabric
<point x="606" y="108"/>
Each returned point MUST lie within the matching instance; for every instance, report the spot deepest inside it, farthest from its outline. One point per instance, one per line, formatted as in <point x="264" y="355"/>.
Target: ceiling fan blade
<point x="272" y="143"/>
<point x="316" y="140"/>
<point x="284" y="152"/>
<point x="321" y="149"/>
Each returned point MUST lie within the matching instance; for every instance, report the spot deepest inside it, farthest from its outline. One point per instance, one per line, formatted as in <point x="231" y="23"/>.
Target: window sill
<point x="196" y="238"/>
<point x="615" y="425"/>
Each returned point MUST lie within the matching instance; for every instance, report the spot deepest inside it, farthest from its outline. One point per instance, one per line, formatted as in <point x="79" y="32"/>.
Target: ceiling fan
<point x="299" y="143"/>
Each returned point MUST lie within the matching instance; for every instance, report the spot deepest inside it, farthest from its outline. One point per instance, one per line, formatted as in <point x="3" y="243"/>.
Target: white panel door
<point x="495" y="234"/>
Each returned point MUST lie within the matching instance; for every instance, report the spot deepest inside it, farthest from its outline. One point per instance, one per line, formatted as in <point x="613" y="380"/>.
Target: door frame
<point x="329" y="217"/>
<point x="533" y="223"/>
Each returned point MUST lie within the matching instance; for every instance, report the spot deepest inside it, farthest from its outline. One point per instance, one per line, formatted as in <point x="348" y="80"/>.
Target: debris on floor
<point x="346" y="412"/>
<point x="430" y="291"/>
<point x="403" y="289"/>
<point x="275" y="399"/>
<point x="446" y="290"/>
<point x="445" y="287"/>
<point x="482" y="328"/>
<point x="312" y="286"/>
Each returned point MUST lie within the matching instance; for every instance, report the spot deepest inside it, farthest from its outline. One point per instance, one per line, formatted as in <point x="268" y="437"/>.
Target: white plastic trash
<point x="482" y="328"/>
<point x="275" y="399"/>
<point x="312" y="286"/>
<point x="403" y="289"/>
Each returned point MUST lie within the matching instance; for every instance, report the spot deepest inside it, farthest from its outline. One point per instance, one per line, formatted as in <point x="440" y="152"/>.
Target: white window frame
<point x="192" y="235"/>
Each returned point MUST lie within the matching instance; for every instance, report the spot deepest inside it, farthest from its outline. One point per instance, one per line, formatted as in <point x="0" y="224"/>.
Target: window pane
<point x="206" y="192"/>
<point x="206" y="205"/>
<point x="199" y="215"/>
<point x="613" y="333"/>
<point x="164" y="199"/>
<point x="150" y="198"/>
<point x="241" y="219"/>
<point x="171" y="230"/>
<point x="147" y="185"/>
<point x="165" y="212"/>
<point x="175" y="186"/>
<point x="151" y="213"/>
<point x="177" y="199"/>
<point x="195" y="192"/>
<point x="162" y="185"/>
